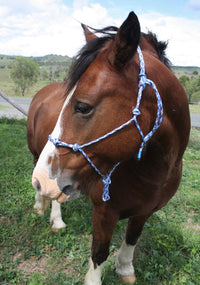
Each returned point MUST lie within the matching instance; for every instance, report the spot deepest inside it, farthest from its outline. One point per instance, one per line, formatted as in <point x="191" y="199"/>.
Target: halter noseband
<point x="143" y="81"/>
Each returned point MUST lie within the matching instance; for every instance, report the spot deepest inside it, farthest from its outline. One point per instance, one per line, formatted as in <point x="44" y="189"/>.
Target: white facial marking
<point x="58" y="128"/>
<point x="50" y="149"/>
<point x="124" y="266"/>
<point x="42" y="178"/>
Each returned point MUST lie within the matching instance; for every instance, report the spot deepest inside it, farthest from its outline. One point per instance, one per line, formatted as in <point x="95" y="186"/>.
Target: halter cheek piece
<point x="143" y="81"/>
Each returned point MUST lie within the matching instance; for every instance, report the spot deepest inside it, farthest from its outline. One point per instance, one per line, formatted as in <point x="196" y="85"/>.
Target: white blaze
<point x="42" y="170"/>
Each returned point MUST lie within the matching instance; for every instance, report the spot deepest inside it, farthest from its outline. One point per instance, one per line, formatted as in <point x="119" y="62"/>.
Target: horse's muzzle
<point x="48" y="188"/>
<point x="69" y="192"/>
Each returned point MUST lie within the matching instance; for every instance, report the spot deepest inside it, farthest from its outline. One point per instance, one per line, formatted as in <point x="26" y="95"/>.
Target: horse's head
<point x="103" y="88"/>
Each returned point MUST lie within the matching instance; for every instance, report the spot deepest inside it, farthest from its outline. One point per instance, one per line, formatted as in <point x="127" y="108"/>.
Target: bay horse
<point x="119" y="138"/>
<point x="43" y="114"/>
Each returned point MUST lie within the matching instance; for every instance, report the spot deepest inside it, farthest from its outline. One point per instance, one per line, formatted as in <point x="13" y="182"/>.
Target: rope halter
<point x="106" y="178"/>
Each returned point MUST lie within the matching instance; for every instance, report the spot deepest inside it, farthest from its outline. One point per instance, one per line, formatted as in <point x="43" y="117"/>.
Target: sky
<point x="41" y="27"/>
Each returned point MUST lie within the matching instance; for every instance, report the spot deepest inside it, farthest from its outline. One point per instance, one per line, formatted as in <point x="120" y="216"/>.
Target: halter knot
<point x="75" y="147"/>
<point x="142" y="80"/>
<point x="55" y="141"/>
<point x="106" y="181"/>
<point x="136" y="112"/>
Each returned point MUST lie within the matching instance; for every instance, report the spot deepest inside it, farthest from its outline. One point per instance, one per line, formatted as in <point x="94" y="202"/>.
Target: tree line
<point x="191" y="86"/>
<point x="25" y="73"/>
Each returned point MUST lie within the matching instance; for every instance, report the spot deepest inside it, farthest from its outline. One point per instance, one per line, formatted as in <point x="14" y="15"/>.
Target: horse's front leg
<point x="104" y="222"/>
<point x="124" y="266"/>
<point x="41" y="204"/>
<point x="56" y="216"/>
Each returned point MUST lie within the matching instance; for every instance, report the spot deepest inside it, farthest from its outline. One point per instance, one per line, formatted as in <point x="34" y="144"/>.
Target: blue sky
<point x="176" y="8"/>
<point x="39" y="27"/>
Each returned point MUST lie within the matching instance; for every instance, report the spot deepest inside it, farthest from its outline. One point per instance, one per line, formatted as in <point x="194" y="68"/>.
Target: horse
<point x="43" y="109"/>
<point x="119" y="139"/>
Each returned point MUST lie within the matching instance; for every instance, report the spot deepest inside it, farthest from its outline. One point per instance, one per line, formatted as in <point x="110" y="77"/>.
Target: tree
<point x="195" y="72"/>
<point x="24" y="73"/>
<point x="191" y="87"/>
<point x="183" y="79"/>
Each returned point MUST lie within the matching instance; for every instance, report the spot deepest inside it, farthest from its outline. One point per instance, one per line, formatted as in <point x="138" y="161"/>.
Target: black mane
<point x="88" y="54"/>
<point x="160" y="47"/>
<point x="91" y="49"/>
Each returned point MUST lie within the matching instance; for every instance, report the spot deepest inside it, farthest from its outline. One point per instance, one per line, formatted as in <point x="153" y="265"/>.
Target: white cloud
<point x="3" y="11"/>
<point x="47" y="27"/>
<point x="94" y="14"/>
<point x="183" y="36"/>
<point x="35" y="27"/>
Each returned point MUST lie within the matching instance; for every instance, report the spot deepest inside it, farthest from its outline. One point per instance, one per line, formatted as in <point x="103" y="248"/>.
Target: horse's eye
<point x="83" y="108"/>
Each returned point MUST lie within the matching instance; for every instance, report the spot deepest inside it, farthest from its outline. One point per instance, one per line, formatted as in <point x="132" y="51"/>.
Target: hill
<point x="47" y="60"/>
<point x="52" y="59"/>
<point x="52" y="68"/>
<point x="185" y="70"/>
<point x="55" y="68"/>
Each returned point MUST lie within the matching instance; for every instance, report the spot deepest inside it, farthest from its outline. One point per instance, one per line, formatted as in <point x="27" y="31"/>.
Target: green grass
<point x="194" y="109"/>
<point x="168" y="251"/>
<point x="2" y="107"/>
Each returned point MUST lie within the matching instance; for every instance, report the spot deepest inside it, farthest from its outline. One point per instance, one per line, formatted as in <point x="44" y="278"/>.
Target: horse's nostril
<point x="67" y="189"/>
<point x="36" y="185"/>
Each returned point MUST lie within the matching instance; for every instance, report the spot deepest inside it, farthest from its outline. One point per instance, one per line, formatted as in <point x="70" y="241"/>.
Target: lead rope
<point x="143" y="81"/>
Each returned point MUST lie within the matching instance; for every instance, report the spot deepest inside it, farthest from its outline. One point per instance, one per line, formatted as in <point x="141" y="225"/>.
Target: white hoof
<point x="38" y="208"/>
<point x="124" y="266"/>
<point x="56" y="217"/>
<point x="41" y="204"/>
<point x="128" y="279"/>
<point x="39" y="212"/>
<point x="93" y="276"/>
<point x="57" y="224"/>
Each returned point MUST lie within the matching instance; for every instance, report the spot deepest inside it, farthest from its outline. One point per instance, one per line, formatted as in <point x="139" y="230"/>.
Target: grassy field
<point x="4" y="107"/>
<point x="54" y="68"/>
<point x="194" y="109"/>
<point x="8" y="86"/>
<point x="185" y="70"/>
<point x="168" y="251"/>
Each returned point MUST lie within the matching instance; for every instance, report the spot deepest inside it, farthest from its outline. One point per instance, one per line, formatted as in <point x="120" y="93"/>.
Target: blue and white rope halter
<point x="143" y="81"/>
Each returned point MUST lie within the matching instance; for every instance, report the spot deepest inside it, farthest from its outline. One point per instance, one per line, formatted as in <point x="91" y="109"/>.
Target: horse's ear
<point x="88" y="35"/>
<point x="126" y="42"/>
